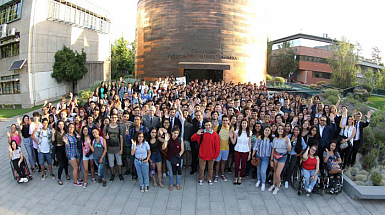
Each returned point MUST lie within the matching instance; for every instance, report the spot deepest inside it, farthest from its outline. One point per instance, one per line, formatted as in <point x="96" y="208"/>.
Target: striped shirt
<point x="263" y="147"/>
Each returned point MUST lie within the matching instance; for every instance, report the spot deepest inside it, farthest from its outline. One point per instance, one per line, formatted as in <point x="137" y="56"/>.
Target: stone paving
<point x="47" y="197"/>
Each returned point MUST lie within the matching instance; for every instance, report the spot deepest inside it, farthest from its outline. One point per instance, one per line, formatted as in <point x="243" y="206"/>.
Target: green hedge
<point x="279" y="79"/>
<point x="269" y="78"/>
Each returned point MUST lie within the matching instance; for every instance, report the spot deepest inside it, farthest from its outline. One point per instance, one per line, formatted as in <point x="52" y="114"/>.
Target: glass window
<point x="7" y="88"/>
<point x="10" y="12"/>
<point x="15" y="49"/>
<point x="325" y="75"/>
<point x="16" y="86"/>
<point x="6" y="51"/>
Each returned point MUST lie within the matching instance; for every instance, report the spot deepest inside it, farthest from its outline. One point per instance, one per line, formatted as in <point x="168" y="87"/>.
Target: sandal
<point x="155" y="185"/>
<point x="161" y="185"/>
<point x="178" y="187"/>
<point x="60" y="182"/>
<point x="170" y="188"/>
<point x="235" y="181"/>
<point x="68" y="177"/>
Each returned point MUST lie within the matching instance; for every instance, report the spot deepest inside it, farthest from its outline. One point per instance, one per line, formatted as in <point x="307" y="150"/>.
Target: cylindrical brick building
<point x="204" y="39"/>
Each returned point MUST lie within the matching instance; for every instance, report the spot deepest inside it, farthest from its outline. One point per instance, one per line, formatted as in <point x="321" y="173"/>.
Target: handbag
<point x="255" y="161"/>
<point x="89" y="153"/>
<point x="345" y="144"/>
<point x="334" y="168"/>
<point x="277" y="155"/>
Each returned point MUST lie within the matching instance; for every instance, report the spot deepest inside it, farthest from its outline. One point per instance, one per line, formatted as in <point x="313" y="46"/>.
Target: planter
<point x="362" y="192"/>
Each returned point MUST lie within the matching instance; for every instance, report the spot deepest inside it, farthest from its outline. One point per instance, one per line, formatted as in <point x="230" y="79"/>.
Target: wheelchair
<point x="26" y="171"/>
<point x="327" y="182"/>
<point x="298" y="182"/>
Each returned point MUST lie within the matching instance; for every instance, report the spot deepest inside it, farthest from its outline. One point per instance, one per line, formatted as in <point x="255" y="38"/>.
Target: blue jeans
<point x="29" y="147"/>
<point x="100" y="166"/>
<point x="170" y="175"/>
<point x="307" y="174"/>
<point x="142" y="170"/>
<point x="262" y="168"/>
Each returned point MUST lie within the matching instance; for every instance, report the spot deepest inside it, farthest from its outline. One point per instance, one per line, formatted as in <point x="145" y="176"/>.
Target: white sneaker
<point x="271" y="188"/>
<point x="286" y="184"/>
<point x="164" y="175"/>
<point x="263" y="187"/>
<point x="275" y="191"/>
<point x="257" y="184"/>
<point x="308" y="190"/>
<point x="200" y="182"/>
<point x="21" y="180"/>
<point x="25" y="180"/>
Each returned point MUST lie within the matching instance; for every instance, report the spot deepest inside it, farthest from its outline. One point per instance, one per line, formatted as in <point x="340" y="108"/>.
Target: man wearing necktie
<point x="174" y="121"/>
<point x="358" y="138"/>
<point x="197" y="124"/>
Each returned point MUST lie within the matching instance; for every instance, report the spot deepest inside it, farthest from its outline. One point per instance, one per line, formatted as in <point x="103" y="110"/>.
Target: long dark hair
<point x="270" y="135"/>
<point x="298" y="145"/>
<point x="149" y="133"/>
<point x="247" y="128"/>
<point x="82" y="137"/>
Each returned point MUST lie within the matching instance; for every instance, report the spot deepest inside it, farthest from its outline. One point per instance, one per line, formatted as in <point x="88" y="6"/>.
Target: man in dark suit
<point x="326" y="132"/>
<point x="150" y="120"/>
<point x="359" y="137"/>
<point x="174" y="121"/>
<point x="197" y="124"/>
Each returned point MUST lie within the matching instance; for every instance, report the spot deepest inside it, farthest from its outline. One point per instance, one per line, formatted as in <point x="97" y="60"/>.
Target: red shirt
<point x="210" y="147"/>
<point x="310" y="163"/>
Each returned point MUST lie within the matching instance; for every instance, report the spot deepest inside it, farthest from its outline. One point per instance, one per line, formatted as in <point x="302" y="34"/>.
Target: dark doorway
<point x="201" y="74"/>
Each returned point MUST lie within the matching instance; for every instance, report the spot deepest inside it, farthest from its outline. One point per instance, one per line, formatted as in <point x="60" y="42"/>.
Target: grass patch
<point x="376" y="101"/>
<point x="8" y="113"/>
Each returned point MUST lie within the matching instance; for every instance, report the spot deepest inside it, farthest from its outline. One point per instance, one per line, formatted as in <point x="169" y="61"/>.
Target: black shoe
<point x="99" y="180"/>
<point x="112" y="177"/>
<point x="104" y="183"/>
<point x="127" y="172"/>
<point x="39" y="170"/>
<point x="134" y="178"/>
<point x="121" y="177"/>
<point x="229" y="170"/>
<point x="192" y="172"/>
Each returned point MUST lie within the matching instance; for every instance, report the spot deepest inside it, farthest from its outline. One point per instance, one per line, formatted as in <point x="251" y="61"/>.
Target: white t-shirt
<point x="242" y="142"/>
<point x="32" y="127"/>
<point x="44" y="146"/>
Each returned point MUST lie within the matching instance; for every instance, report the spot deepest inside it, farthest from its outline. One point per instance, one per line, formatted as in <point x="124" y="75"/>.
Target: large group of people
<point x="158" y="129"/>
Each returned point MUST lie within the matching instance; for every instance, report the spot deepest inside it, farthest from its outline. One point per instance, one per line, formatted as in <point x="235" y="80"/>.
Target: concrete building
<point x="32" y="31"/>
<point x="312" y="53"/>
<point x="203" y="39"/>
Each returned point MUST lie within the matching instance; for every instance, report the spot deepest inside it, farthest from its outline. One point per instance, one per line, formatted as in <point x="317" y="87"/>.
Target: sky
<point x="357" y="21"/>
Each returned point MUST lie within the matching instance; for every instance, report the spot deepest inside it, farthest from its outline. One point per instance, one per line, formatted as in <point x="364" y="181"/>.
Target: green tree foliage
<point x="69" y="66"/>
<point x="285" y="62"/>
<point x="122" y="58"/>
<point x="344" y="65"/>
<point x="376" y="55"/>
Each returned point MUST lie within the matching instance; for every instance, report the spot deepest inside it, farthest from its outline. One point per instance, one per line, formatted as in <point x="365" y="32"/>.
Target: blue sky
<point x="358" y="21"/>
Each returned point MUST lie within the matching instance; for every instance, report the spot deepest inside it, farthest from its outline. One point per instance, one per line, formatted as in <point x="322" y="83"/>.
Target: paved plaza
<point x="47" y="197"/>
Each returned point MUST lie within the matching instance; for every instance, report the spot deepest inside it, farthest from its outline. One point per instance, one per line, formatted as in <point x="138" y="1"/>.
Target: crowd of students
<point x="159" y="129"/>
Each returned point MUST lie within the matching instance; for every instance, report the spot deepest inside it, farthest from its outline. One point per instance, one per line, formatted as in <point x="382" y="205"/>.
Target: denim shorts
<point x="156" y="157"/>
<point x="91" y="157"/>
<point x="45" y="157"/>
<point x="223" y="155"/>
<point x="282" y="159"/>
<point x="77" y="156"/>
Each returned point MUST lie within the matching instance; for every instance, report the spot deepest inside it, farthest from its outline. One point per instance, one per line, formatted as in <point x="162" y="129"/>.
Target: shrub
<point x="362" y="178"/>
<point x="333" y="99"/>
<point x="279" y="79"/>
<point x="269" y="78"/>
<point x="331" y="92"/>
<point x="363" y="172"/>
<point x="320" y="83"/>
<point x="376" y="177"/>
<point x="367" y="87"/>
<point x="369" y="160"/>
<point x="85" y="94"/>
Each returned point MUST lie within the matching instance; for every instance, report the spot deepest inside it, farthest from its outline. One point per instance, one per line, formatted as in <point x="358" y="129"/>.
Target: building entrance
<point x="201" y="74"/>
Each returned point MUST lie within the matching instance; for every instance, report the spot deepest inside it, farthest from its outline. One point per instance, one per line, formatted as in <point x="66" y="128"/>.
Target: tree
<point x="344" y="65"/>
<point x="69" y="66"/>
<point x="285" y="62"/>
<point x="122" y="57"/>
<point x="376" y="55"/>
<point x="369" y="77"/>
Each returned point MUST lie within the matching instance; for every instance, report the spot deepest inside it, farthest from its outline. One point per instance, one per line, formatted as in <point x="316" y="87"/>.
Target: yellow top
<point x="224" y="136"/>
